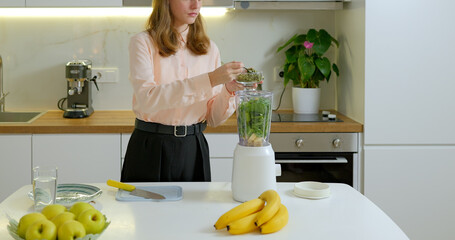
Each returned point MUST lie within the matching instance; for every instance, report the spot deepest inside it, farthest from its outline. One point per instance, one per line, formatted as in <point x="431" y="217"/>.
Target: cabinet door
<point x="221" y="147"/>
<point x="415" y="187"/>
<point x="16" y="157"/>
<point x="409" y="97"/>
<point x="80" y="158"/>
<point x="12" y="3"/>
<point x="74" y="3"/>
<point x="222" y="144"/>
<point x="221" y="169"/>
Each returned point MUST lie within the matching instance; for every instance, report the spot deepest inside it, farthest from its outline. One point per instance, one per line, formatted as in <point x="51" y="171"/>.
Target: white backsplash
<point x="36" y="49"/>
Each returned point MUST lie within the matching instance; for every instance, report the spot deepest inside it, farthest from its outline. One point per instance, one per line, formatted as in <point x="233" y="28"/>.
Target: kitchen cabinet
<point x="12" y="3"/>
<point x="15" y="158"/>
<point x="414" y="186"/>
<point x="409" y="101"/>
<point x="221" y="147"/>
<point x="80" y="158"/>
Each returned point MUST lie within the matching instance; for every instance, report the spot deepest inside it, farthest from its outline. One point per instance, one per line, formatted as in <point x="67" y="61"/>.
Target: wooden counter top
<point x="123" y="122"/>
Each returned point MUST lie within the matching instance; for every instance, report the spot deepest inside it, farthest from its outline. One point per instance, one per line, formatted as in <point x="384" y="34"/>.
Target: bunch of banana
<point x="252" y="215"/>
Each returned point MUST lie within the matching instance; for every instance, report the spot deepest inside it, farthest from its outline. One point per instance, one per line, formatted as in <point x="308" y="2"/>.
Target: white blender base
<point x="253" y="172"/>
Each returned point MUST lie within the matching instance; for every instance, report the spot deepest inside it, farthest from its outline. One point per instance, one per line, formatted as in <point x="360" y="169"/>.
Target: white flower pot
<point x="306" y="100"/>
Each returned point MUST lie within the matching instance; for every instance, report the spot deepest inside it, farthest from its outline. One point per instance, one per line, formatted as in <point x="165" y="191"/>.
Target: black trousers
<point x="153" y="157"/>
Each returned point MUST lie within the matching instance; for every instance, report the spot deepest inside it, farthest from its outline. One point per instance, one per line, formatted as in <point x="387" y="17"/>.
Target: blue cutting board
<point x="172" y="193"/>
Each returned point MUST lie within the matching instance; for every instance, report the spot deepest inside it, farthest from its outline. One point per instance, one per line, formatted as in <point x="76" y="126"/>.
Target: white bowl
<point x="312" y="190"/>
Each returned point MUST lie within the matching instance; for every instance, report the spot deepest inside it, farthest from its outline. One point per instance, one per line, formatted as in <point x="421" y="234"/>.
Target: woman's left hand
<point x="233" y="86"/>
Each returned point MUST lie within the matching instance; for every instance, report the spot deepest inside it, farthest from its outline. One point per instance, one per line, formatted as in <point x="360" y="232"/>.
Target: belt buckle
<point x="177" y="135"/>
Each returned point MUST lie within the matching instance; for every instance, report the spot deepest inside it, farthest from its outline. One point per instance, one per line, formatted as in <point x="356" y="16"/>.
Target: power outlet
<point x="105" y="75"/>
<point x="278" y="74"/>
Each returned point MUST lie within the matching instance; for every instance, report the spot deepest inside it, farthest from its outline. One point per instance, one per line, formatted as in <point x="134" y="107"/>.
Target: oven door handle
<point x="337" y="160"/>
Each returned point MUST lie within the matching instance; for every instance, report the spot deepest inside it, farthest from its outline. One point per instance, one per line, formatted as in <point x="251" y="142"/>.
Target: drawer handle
<point x="337" y="160"/>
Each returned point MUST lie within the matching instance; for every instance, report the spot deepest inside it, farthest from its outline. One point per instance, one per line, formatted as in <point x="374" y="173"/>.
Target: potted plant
<point x="306" y="66"/>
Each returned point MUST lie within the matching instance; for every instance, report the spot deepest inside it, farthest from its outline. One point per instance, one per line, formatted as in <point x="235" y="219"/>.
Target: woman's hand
<point x="226" y="73"/>
<point x="233" y="86"/>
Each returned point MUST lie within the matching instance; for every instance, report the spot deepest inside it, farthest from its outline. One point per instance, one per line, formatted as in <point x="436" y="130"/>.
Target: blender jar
<point x="254" y="113"/>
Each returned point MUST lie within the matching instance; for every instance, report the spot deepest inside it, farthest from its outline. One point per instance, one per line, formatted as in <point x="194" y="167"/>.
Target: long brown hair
<point x="160" y="27"/>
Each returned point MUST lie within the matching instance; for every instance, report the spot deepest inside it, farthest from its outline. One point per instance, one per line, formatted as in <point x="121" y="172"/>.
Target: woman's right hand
<point x="226" y="73"/>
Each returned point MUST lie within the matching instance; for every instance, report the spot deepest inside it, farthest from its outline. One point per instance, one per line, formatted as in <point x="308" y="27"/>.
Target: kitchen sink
<point x="19" y="117"/>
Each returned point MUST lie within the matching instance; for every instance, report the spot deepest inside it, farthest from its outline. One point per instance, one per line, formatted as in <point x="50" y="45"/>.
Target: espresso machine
<point x="79" y="90"/>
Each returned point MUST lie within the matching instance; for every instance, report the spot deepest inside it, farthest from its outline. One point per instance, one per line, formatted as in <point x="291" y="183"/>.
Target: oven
<point x="322" y="157"/>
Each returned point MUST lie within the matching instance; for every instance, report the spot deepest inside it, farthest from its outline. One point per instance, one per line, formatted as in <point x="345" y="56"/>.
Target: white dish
<point x="67" y="194"/>
<point x="312" y="190"/>
<point x="315" y="198"/>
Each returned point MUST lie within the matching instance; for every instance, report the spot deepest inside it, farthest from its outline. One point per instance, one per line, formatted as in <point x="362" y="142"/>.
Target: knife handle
<point x="117" y="184"/>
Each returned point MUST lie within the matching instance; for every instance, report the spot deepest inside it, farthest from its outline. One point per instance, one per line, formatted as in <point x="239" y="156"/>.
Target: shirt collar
<point x="184" y="35"/>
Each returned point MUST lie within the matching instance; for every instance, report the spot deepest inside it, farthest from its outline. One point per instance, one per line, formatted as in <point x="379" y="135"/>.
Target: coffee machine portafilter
<point x="79" y="97"/>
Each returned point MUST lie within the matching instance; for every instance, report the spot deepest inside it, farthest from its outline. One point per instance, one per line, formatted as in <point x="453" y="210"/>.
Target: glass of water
<point x="44" y="186"/>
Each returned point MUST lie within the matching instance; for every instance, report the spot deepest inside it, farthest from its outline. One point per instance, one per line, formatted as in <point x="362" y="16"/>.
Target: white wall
<point x="350" y="28"/>
<point x="36" y="49"/>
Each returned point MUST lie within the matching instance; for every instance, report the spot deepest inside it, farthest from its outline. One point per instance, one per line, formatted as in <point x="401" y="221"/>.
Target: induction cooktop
<point x="294" y="117"/>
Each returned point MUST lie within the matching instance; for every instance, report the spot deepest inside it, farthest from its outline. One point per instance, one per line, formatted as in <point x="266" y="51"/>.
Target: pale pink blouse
<point x="176" y="90"/>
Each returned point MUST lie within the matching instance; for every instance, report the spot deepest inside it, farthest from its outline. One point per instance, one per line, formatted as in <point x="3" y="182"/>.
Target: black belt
<point x="178" y="131"/>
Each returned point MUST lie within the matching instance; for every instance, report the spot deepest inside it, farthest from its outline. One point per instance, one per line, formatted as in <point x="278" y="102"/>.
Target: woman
<point x="179" y="87"/>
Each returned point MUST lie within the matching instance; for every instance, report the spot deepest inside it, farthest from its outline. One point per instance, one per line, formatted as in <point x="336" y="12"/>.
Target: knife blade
<point x="135" y="191"/>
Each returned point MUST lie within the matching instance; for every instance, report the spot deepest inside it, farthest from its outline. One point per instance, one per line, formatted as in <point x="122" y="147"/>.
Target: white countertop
<point x="346" y="214"/>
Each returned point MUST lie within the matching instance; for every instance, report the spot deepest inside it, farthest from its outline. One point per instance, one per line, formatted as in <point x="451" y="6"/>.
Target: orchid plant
<point x="305" y="63"/>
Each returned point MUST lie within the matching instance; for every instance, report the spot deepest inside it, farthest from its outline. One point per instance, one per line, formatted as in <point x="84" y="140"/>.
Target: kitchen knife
<point x="135" y="191"/>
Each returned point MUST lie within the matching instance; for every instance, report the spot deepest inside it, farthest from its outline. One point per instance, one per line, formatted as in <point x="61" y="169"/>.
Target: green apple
<point x="62" y="218"/>
<point x="53" y="210"/>
<point x="41" y="229"/>
<point x="26" y="221"/>
<point x="71" y="230"/>
<point x="93" y="221"/>
<point x="79" y="207"/>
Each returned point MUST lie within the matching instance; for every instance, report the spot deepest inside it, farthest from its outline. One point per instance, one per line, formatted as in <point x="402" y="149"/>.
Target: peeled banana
<point x="243" y="225"/>
<point x="271" y="208"/>
<point x="277" y="222"/>
<point x="242" y="210"/>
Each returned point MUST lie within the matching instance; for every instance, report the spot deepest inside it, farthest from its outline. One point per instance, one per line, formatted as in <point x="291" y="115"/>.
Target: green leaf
<point x="300" y="39"/>
<point x="323" y="65"/>
<point x="292" y="54"/>
<point x="286" y="75"/>
<point x="287" y="43"/>
<point x="322" y="42"/>
<point x="306" y="67"/>
<point x="312" y="35"/>
<point x="294" y="74"/>
<point x="335" y="69"/>
<point x="317" y="77"/>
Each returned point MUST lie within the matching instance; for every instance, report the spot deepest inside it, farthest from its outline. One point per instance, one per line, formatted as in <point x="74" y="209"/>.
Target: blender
<point x="254" y="159"/>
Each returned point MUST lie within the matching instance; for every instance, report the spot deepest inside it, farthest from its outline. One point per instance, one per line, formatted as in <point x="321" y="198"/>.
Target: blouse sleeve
<point x="152" y="96"/>
<point x="222" y="105"/>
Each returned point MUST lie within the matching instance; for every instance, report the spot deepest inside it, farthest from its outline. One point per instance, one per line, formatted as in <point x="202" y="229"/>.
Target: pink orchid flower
<point x="308" y="45"/>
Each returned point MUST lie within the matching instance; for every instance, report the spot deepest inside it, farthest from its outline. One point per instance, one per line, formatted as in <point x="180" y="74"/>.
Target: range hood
<point x="258" y="4"/>
<point x="289" y="4"/>
<point x="205" y="3"/>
